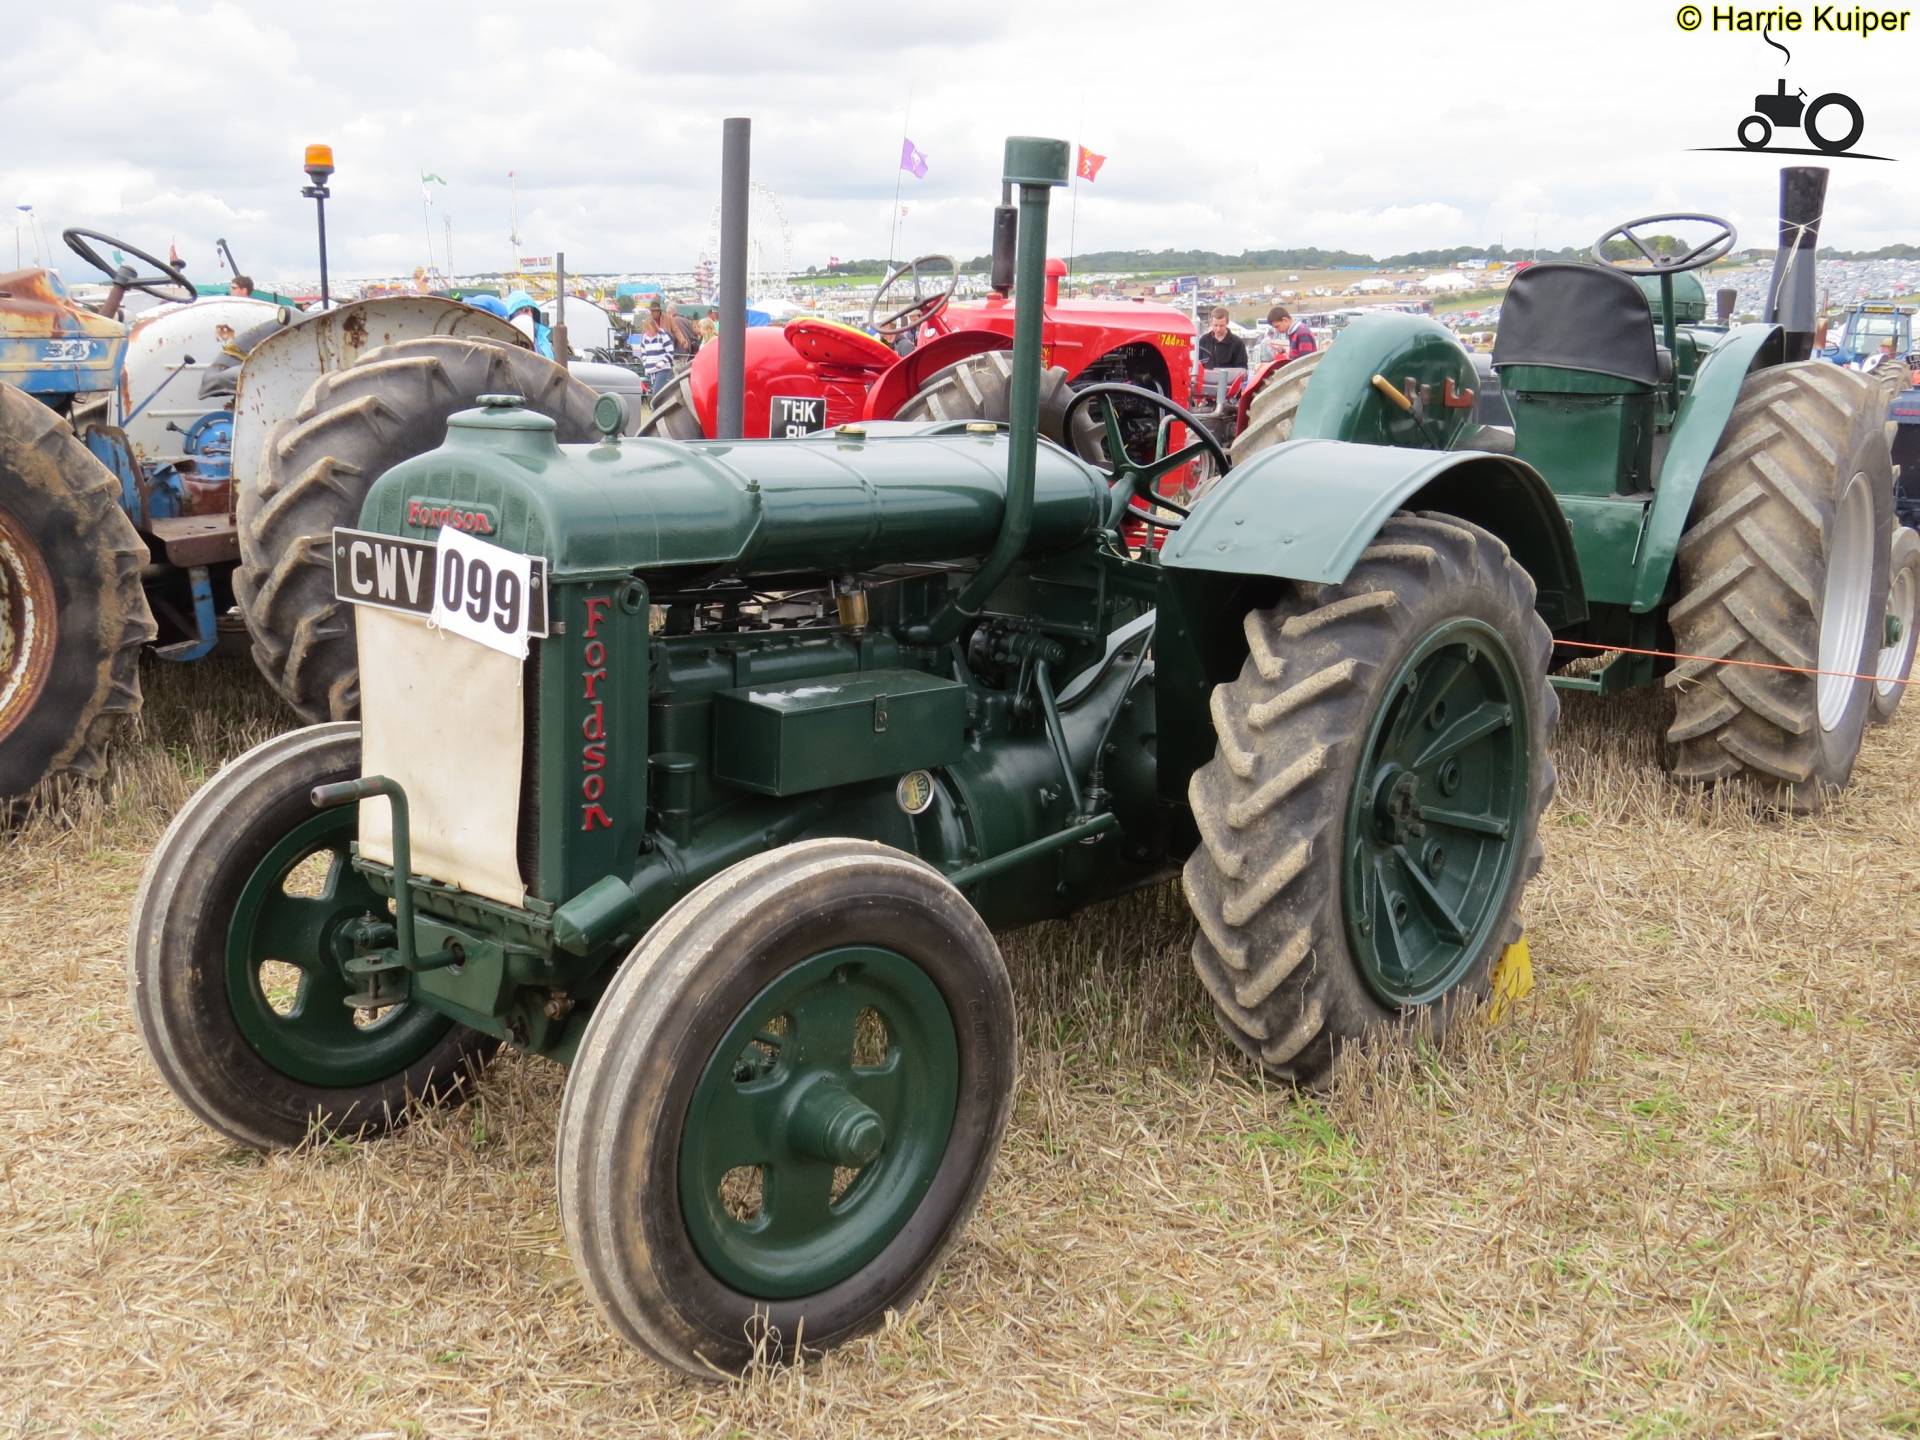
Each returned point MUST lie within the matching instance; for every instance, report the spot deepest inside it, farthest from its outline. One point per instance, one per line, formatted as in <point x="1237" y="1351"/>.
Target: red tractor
<point x="812" y="374"/>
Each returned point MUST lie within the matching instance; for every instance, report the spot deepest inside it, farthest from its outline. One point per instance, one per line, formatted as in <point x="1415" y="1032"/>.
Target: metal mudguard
<point x="1342" y="403"/>
<point x="1305" y="509"/>
<point x="1695" y="436"/>
<point x="282" y="368"/>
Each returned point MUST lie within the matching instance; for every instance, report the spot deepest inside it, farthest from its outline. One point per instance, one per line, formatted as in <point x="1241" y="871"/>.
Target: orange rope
<point x="1723" y="660"/>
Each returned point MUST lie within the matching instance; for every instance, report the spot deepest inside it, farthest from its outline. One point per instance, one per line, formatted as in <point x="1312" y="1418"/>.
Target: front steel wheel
<point x="235" y="961"/>
<point x="786" y="1106"/>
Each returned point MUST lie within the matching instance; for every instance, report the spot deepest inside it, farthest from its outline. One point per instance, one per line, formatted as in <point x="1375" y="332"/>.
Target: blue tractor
<point x="1880" y="337"/>
<point x="138" y="507"/>
<point x="81" y="517"/>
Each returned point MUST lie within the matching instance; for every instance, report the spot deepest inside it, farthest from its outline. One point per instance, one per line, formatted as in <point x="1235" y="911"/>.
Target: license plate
<point x="391" y="572"/>
<point x="793" y="416"/>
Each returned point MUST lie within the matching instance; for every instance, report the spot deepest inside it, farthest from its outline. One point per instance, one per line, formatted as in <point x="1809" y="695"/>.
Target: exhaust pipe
<point x="1035" y="166"/>
<point x="1724" y="299"/>
<point x="1790" y="296"/>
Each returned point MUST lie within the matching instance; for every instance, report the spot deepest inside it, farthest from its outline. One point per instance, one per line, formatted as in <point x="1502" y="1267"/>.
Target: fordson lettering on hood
<point x="432" y="514"/>
<point x="593" y="755"/>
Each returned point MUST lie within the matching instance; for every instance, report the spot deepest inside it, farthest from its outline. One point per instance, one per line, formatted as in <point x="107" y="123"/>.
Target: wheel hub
<point x="1436" y="821"/>
<point x="818" y="1122"/>
<point x="1396" y="805"/>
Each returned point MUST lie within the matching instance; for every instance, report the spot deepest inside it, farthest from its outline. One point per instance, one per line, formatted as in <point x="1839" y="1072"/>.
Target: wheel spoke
<point x="797" y="1200"/>
<point x="1483" y="720"/>
<point x="1386" y="928"/>
<point x="881" y="1088"/>
<point x="1116" y="438"/>
<point x="292" y="927"/>
<point x="824" y="1021"/>
<point x="1431" y="900"/>
<point x="740" y="1125"/>
<point x="1488" y="824"/>
<point x="1166" y="465"/>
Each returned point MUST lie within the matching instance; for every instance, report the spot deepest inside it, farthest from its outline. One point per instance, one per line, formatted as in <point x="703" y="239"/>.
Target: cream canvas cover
<point x="442" y="715"/>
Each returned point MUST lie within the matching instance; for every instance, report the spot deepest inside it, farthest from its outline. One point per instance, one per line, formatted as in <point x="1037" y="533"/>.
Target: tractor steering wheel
<point x="1133" y="479"/>
<point x="923" y="308"/>
<point x="123" y="275"/>
<point x="1703" y="254"/>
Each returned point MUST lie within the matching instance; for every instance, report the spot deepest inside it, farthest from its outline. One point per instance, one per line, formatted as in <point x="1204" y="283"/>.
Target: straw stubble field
<point x="1677" y="1193"/>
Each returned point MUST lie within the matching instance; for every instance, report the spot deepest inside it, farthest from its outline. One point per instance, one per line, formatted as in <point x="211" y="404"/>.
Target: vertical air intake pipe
<point x="1790" y="296"/>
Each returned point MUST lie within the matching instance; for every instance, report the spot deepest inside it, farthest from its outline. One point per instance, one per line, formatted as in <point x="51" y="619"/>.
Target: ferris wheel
<point x="769" y="243"/>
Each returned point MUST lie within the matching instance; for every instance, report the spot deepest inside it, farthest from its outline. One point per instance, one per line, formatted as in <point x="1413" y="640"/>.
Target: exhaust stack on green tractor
<point x="760" y="741"/>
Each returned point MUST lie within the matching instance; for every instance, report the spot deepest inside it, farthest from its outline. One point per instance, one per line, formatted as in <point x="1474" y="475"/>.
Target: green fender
<point x="1342" y="404"/>
<point x="1696" y="434"/>
<point x="1305" y="509"/>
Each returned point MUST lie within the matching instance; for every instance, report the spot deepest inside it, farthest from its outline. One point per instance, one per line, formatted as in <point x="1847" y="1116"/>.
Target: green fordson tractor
<point x="1730" y="500"/>
<point x="709" y="769"/>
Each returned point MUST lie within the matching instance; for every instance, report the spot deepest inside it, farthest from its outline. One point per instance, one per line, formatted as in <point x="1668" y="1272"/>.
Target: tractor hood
<point x="51" y="345"/>
<point x="844" y="499"/>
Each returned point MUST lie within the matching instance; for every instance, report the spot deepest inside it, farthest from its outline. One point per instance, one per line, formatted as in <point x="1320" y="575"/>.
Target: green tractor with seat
<point x="708" y="769"/>
<point x="1730" y="499"/>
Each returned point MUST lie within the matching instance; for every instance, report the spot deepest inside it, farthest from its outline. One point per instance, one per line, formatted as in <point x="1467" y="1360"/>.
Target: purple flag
<point x="912" y="161"/>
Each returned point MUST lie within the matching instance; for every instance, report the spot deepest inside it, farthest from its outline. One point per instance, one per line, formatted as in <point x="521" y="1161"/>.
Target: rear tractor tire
<point x="1784" y="562"/>
<point x="980" y="387"/>
<point x="786" y="1106"/>
<point x="73" y="615"/>
<point x="671" y="415"/>
<point x="1270" y="414"/>
<point x="1371" y="817"/>
<point x="1895" y="664"/>
<point x="353" y="426"/>
<point x="234" y="961"/>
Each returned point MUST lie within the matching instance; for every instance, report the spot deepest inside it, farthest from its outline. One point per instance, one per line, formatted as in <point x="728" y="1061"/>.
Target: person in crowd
<point x="655" y="348"/>
<point x="524" y="315"/>
<point x="706" y="331"/>
<point x="1220" y="348"/>
<point x="1291" y="338"/>
<point x="241" y="285"/>
<point x="679" y="334"/>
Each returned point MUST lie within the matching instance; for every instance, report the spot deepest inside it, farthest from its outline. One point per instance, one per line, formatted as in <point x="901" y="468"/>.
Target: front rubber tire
<point x="657" y="1031"/>
<point x="73" y="615"/>
<point x="980" y="387"/>
<point x="351" y="428"/>
<point x="1801" y="474"/>
<point x="1272" y="881"/>
<point x="178" y="962"/>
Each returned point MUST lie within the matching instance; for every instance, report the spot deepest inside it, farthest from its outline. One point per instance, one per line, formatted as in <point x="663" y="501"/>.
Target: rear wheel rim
<point x="27" y="628"/>
<point x="798" y="1162"/>
<point x="1843" y="603"/>
<point x="1437" y="817"/>
<point x="297" y="1018"/>
<point x="1896" y="660"/>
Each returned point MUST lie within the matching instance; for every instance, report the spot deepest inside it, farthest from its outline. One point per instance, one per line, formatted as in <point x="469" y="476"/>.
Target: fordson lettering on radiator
<point x="593" y="755"/>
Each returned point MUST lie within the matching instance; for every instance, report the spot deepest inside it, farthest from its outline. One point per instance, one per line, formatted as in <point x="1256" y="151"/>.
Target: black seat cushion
<point x="1577" y="317"/>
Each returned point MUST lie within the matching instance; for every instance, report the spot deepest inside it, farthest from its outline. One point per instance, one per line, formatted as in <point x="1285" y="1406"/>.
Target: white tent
<point x="1451" y="280"/>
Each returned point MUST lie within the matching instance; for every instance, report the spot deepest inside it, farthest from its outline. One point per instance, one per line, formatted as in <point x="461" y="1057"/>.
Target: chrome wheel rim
<point x="1843" y="604"/>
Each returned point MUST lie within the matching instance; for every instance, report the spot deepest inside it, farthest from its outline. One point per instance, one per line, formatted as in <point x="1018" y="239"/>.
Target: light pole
<point x="319" y="167"/>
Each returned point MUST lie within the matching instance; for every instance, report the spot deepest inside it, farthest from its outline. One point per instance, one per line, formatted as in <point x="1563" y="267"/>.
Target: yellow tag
<point x="1512" y="979"/>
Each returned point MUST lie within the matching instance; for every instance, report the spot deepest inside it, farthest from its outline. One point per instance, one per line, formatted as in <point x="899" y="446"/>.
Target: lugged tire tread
<point x="352" y="425"/>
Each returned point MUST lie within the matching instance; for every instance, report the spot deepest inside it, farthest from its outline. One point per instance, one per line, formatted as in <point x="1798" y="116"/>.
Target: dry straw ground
<point x="1677" y="1194"/>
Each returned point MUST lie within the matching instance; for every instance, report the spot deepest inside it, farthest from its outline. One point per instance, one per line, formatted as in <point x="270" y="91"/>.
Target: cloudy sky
<point x="1375" y="127"/>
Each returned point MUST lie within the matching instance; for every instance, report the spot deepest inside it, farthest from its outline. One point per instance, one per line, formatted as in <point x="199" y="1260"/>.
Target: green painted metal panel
<point x="837" y="730"/>
<point x="1342" y="403"/>
<point x="1585" y="443"/>
<point x="1696" y="434"/>
<point x="1606" y="534"/>
<point x="1337" y="496"/>
<point x="614" y="508"/>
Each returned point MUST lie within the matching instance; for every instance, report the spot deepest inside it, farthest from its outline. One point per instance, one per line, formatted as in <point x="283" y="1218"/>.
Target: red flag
<point x="1089" y="165"/>
<point x="173" y="253"/>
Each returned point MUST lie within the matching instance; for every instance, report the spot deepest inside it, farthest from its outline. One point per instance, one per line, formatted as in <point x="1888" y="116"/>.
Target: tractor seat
<point x="1564" y="317"/>
<point x="828" y="342"/>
